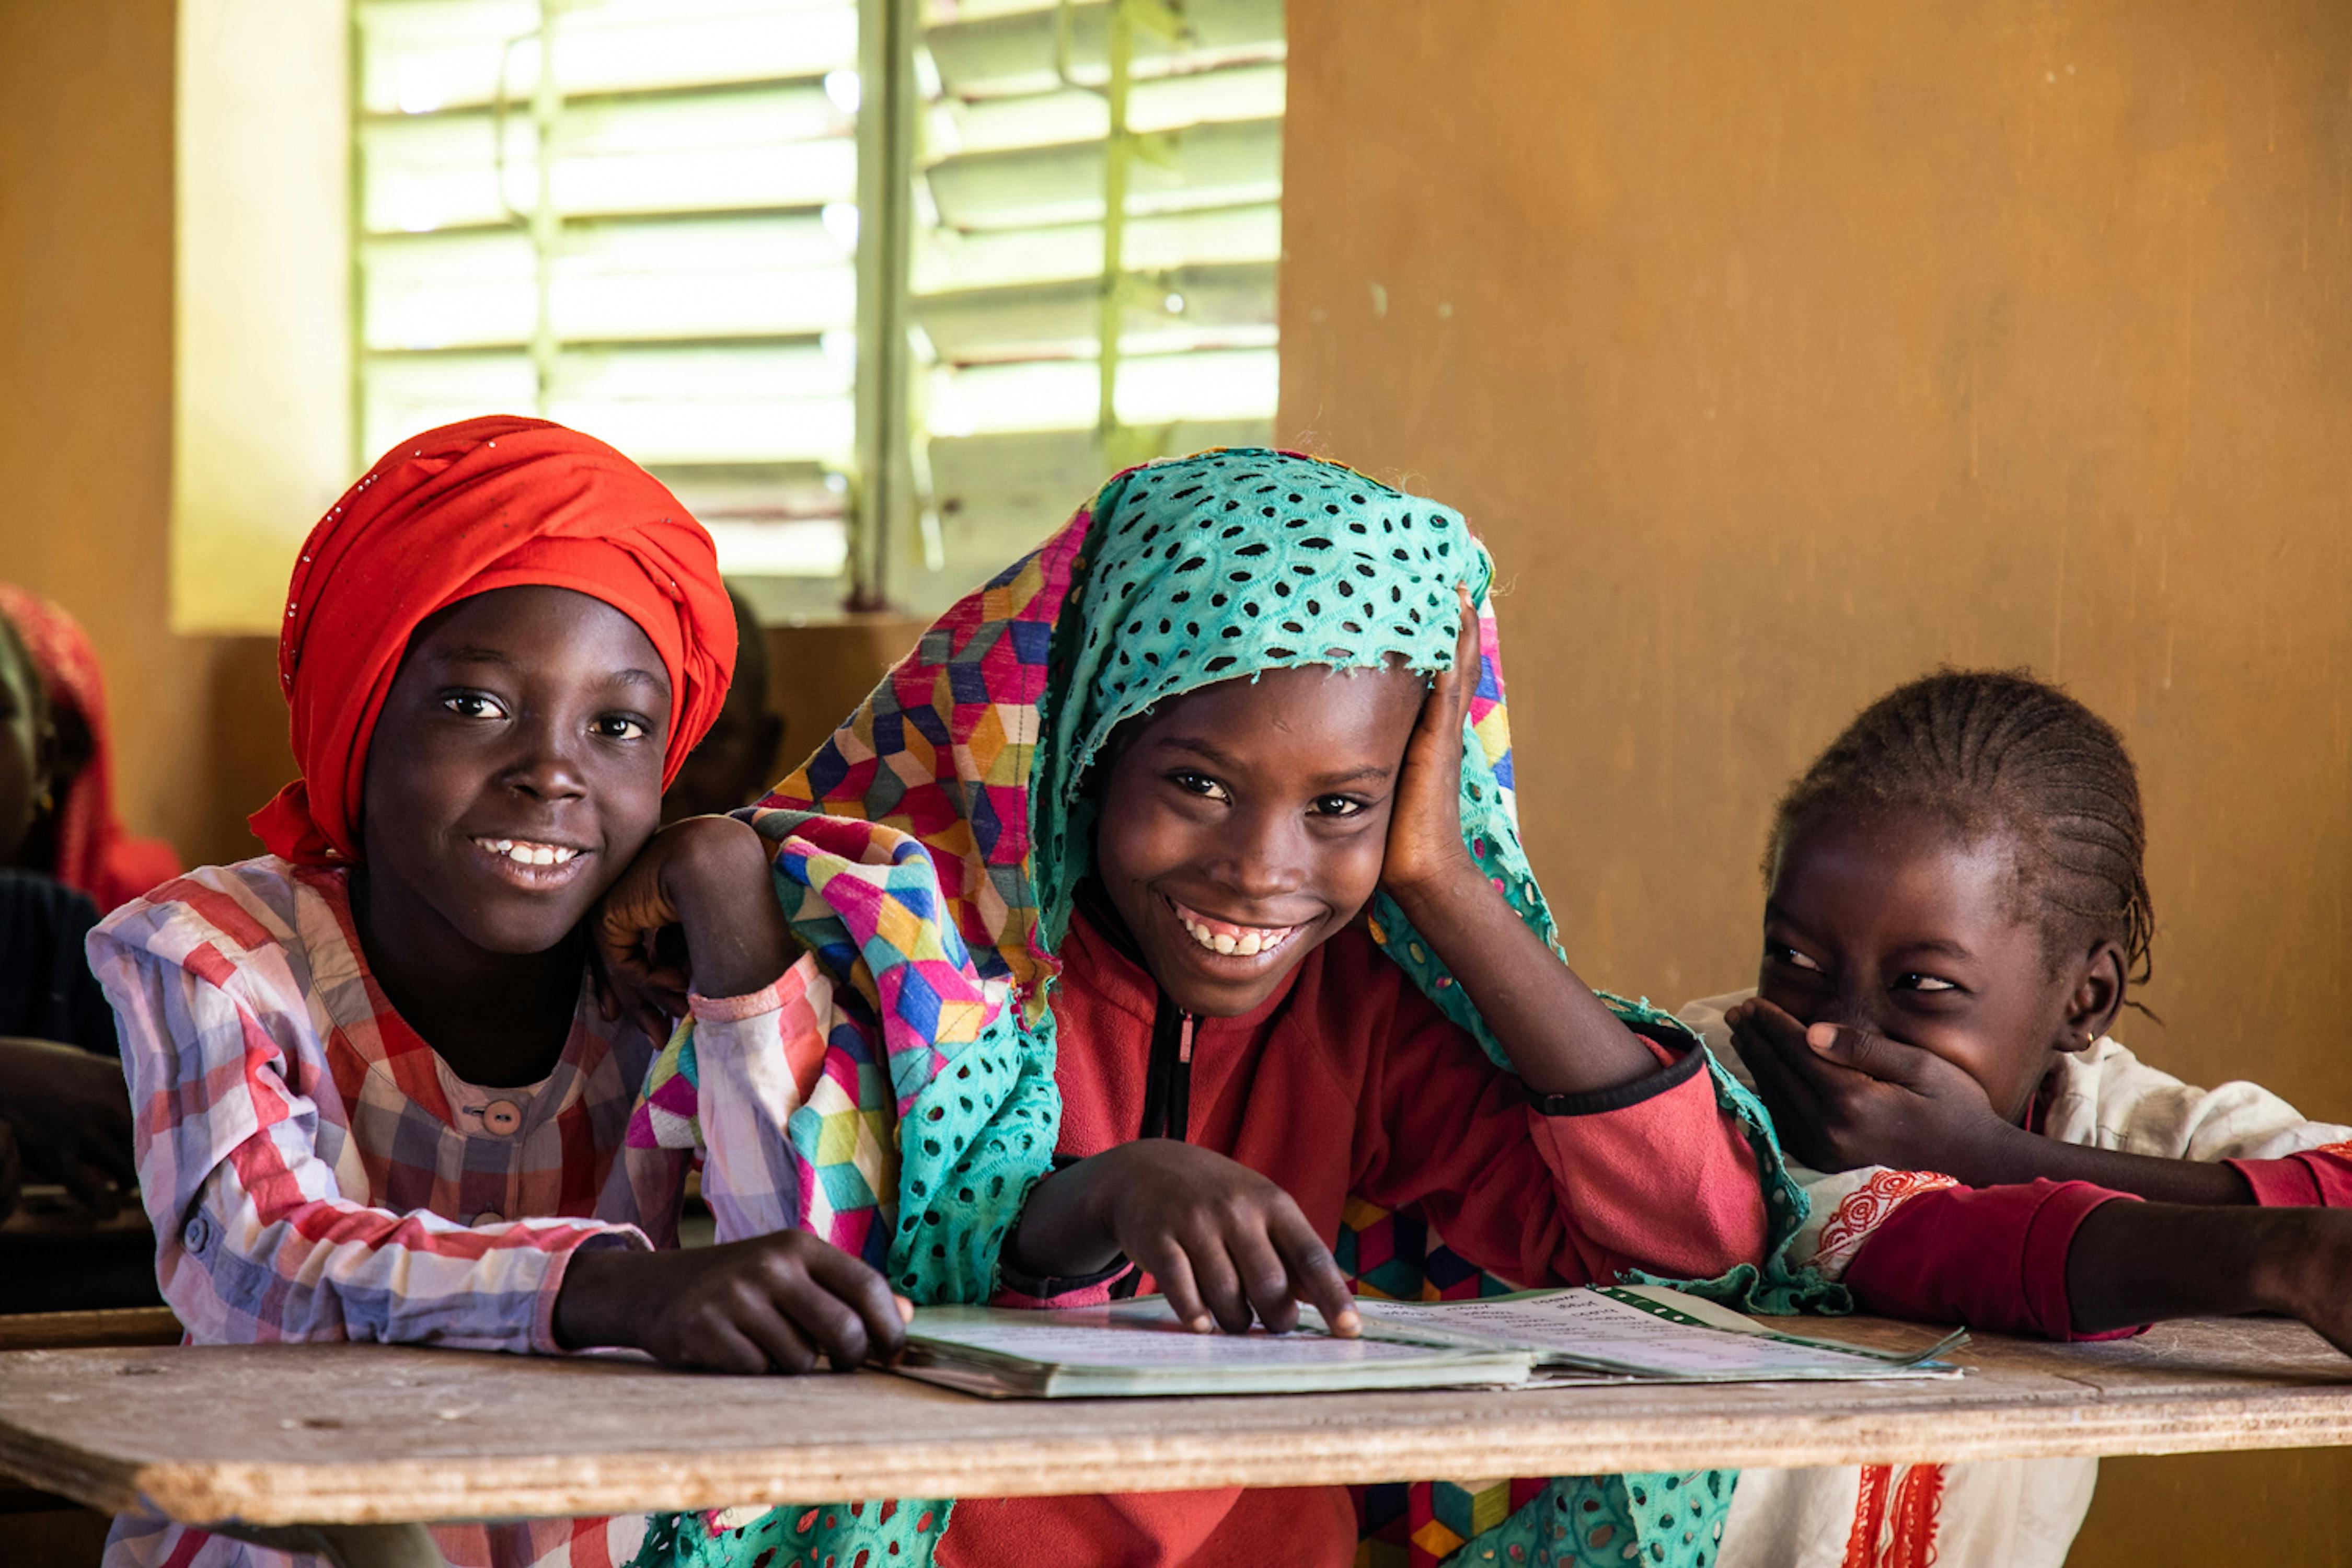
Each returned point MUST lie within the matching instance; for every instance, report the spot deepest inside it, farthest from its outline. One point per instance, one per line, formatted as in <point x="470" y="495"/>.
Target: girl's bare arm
<point x="1557" y="1033"/>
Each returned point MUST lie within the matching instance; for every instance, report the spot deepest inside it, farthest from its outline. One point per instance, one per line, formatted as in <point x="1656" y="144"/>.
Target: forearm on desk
<point x="2071" y="1261"/>
<point x="2132" y="1264"/>
<point x="2315" y="1178"/>
<point x="2016" y="1156"/>
<point x="240" y="1268"/>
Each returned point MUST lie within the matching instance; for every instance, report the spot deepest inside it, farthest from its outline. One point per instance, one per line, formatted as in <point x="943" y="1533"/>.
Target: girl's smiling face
<point x="1890" y="921"/>
<point x="516" y="769"/>
<point x="1244" y="823"/>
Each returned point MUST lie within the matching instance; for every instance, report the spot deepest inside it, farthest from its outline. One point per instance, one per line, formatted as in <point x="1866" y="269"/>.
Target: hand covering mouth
<point x="1227" y="937"/>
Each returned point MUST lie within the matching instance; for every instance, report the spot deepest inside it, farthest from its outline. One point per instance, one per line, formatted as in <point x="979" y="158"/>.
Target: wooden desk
<point x="356" y="1433"/>
<point x="88" y="1330"/>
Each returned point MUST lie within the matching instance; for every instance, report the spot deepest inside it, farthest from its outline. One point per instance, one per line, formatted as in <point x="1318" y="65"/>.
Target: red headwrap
<point x="93" y="853"/>
<point x="498" y="502"/>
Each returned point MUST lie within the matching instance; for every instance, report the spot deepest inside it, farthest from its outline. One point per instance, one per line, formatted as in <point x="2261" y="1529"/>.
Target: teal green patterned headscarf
<point x="931" y="848"/>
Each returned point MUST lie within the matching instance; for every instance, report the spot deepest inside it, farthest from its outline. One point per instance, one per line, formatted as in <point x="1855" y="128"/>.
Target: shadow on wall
<point x="252" y="758"/>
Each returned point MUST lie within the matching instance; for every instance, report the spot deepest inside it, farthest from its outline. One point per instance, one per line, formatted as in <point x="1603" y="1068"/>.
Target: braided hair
<point x="1999" y="752"/>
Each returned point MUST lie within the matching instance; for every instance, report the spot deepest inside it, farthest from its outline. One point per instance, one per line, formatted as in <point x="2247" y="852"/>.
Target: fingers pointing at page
<point x="1226" y="1245"/>
<point x="1315" y="1278"/>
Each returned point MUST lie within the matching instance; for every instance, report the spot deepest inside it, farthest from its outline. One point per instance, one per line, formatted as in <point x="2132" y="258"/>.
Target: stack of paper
<point x="1536" y="1337"/>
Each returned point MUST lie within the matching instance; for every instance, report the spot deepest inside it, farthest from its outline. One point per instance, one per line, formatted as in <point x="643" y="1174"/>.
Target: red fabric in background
<point x="94" y="854"/>
<point x="2317" y="1178"/>
<point x="490" y="503"/>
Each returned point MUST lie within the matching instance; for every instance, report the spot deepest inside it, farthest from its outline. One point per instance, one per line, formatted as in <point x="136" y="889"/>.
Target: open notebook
<point x="1606" y="1334"/>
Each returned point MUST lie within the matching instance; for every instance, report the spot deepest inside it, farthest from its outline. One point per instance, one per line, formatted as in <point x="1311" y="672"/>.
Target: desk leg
<point x="345" y="1545"/>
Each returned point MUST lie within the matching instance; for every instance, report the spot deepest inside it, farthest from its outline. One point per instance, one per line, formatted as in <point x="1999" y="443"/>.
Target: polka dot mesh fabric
<point x="1178" y="575"/>
<point x="1220" y="567"/>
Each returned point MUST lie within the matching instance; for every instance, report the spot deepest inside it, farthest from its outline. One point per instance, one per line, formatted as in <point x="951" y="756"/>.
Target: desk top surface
<point x="358" y="1434"/>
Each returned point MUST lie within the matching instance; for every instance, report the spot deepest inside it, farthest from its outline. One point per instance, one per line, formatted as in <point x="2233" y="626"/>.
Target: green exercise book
<point x="1536" y="1338"/>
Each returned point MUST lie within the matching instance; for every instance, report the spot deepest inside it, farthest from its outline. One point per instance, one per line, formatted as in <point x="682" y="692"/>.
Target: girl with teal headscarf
<point x="1175" y="896"/>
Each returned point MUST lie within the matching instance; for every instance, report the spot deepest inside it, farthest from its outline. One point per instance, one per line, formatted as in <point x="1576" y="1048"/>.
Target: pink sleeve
<point x="2317" y="1178"/>
<point x="1665" y="1180"/>
<point x="1991" y="1258"/>
<point x="1566" y="1190"/>
<point x="1016" y="1289"/>
<point x="759" y="1055"/>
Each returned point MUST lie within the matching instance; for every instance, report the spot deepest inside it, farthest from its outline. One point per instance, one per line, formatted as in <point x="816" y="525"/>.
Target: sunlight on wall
<point x="261" y="437"/>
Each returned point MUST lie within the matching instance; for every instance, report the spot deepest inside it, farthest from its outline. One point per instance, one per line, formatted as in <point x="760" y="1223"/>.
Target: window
<point x="1036" y="123"/>
<point x="839" y="273"/>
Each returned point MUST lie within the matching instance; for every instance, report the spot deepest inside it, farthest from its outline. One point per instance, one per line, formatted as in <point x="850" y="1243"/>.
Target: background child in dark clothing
<point x="64" y="1115"/>
<point x="74" y="836"/>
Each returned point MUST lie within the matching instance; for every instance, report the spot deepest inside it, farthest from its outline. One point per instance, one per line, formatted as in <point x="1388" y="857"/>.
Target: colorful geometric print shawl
<point x="929" y="852"/>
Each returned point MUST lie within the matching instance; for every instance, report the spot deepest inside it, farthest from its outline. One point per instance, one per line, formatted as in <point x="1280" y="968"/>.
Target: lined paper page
<point x="1602" y="1331"/>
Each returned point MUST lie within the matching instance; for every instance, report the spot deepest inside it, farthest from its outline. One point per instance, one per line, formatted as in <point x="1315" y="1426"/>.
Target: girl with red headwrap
<point x="377" y="1095"/>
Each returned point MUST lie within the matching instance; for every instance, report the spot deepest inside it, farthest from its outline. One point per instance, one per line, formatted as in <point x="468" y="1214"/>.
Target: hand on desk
<point x="770" y="1304"/>
<point x="69" y="1113"/>
<point x="2134" y="1263"/>
<point x="1227" y="1245"/>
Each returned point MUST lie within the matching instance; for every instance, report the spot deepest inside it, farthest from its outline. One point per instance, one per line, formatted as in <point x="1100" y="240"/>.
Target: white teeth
<point x="525" y="854"/>
<point x="1248" y="944"/>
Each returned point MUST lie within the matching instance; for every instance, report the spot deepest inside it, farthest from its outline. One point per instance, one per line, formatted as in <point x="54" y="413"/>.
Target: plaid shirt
<point x="315" y="1172"/>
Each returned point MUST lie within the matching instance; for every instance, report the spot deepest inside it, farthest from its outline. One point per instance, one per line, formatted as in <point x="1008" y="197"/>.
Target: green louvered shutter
<point x="678" y="277"/>
<point x="1007" y="276"/>
<point x="682" y="274"/>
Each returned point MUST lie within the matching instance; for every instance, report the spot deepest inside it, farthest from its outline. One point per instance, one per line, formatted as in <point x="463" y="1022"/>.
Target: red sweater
<point x="1349" y="1081"/>
<point x="1995" y="1257"/>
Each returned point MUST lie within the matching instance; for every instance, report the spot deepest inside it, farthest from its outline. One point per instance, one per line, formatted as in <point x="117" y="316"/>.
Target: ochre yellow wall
<point x="1781" y="353"/>
<point x="86" y="377"/>
<point x="262" y="315"/>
